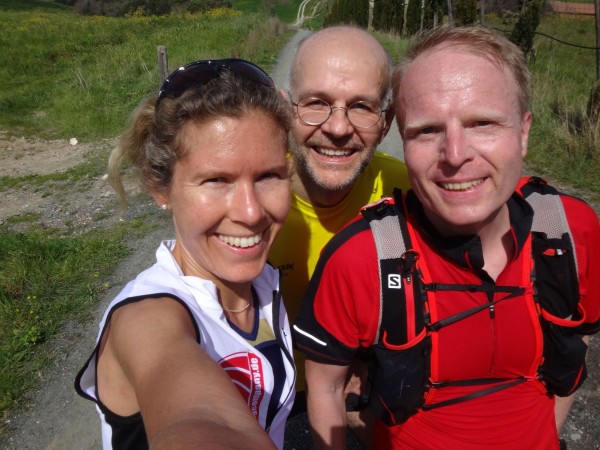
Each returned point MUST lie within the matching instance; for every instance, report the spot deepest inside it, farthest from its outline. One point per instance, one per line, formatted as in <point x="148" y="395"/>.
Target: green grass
<point x="68" y="75"/>
<point x="562" y="146"/>
<point x="288" y="12"/>
<point x="45" y="280"/>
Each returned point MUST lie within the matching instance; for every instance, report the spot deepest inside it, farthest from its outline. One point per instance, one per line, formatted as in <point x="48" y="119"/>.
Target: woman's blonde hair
<point x="152" y="141"/>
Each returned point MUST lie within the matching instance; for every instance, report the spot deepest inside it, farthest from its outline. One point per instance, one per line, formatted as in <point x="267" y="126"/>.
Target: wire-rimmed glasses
<point x="315" y="111"/>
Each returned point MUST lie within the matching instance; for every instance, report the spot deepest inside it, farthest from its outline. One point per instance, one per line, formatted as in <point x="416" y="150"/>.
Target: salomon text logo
<point x="394" y="281"/>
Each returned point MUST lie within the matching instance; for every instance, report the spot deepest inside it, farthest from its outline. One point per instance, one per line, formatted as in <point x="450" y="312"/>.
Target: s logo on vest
<point x="394" y="281"/>
<point x="246" y="371"/>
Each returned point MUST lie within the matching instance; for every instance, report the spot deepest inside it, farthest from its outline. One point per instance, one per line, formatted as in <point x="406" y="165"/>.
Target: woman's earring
<point x="164" y="206"/>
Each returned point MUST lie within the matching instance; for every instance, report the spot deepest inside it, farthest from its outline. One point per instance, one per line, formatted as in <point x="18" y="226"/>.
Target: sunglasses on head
<point x="201" y="72"/>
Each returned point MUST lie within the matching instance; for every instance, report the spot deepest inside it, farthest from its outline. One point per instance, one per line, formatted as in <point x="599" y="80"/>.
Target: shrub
<point x="465" y="12"/>
<point x="196" y="6"/>
<point x="524" y="30"/>
<point x="348" y="11"/>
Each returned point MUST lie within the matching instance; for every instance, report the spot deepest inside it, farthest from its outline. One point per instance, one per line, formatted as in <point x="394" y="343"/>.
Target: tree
<point x="405" y="17"/>
<point x="597" y="19"/>
<point x="387" y="15"/>
<point x="465" y="12"/>
<point x="450" y="12"/>
<point x="524" y="30"/>
<point x="348" y="11"/>
<point x="482" y="12"/>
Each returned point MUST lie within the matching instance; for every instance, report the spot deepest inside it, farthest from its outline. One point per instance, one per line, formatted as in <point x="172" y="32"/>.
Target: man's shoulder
<point x="386" y="166"/>
<point x="385" y="173"/>
<point x="581" y="216"/>
<point x="386" y="161"/>
<point x="351" y="241"/>
<point x="575" y="208"/>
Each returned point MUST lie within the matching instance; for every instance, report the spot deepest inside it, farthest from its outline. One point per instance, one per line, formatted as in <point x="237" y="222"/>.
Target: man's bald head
<point x="345" y="44"/>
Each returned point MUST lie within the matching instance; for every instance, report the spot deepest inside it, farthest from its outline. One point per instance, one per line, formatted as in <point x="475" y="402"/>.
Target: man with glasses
<point x="339" y="85"/>
<point x="476" y="290"/>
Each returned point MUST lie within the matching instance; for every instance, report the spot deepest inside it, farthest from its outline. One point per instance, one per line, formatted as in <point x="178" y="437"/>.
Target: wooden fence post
<point x="163" y="63"/>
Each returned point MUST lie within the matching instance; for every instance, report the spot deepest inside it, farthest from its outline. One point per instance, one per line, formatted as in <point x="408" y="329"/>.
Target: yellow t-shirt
<point x="307" y="229"/>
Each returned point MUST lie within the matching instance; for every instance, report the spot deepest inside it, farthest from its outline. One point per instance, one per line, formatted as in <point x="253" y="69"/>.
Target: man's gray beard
<point x="305" y="170"/>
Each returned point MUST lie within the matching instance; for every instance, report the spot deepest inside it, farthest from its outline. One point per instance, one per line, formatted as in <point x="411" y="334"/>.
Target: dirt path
<point x="55" y="418"/>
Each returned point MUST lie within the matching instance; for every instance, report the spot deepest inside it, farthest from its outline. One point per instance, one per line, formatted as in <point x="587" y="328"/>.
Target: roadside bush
<point x="524" y="30"/>
<point x="197" y="6"/>
<point x="465" y="12"/>
<point x="348" y="11"/>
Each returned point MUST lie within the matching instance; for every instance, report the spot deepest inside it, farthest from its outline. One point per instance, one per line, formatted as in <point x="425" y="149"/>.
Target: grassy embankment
<point x="564" y="145"/>
<point x="65" y="75"/>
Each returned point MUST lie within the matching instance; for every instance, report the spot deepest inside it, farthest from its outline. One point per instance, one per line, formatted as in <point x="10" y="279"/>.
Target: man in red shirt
<point x="491" y="348"/>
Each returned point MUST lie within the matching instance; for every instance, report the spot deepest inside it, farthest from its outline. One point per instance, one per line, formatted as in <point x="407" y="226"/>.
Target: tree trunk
<point x="482" y="12"/>
<point x="597" y="12"/>
<point x="406" y="2"/>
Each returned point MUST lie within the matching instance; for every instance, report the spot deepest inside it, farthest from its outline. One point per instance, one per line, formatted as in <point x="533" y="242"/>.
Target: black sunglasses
<point x="201" y="72"/>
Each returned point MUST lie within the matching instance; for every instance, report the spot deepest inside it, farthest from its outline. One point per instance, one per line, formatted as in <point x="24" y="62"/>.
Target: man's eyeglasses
<point x="316" y="111"/>
<point x="201" y="72"/>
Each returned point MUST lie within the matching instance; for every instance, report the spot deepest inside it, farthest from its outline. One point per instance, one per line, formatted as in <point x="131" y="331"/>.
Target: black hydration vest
<point x="402" y="346"/>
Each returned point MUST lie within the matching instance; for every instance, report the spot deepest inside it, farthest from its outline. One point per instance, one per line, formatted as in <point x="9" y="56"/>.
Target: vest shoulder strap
<point x="402" y="338"/>
<point x="387" y="220"/>
<point x="549" y="215"/>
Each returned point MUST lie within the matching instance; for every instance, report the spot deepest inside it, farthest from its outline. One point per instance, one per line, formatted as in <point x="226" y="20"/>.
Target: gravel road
<point x="55" y="418"/>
